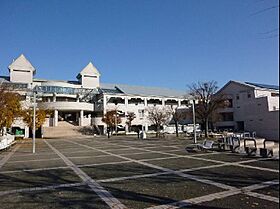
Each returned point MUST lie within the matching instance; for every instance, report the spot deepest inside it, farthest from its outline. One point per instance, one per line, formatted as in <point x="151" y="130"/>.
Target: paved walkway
<point x="132" y="173"/>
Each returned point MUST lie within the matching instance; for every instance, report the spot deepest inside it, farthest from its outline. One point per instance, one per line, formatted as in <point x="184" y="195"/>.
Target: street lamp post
<point x="116" y="125"/>
<point x="194" y="122"/>
<point x="34" y="122"/>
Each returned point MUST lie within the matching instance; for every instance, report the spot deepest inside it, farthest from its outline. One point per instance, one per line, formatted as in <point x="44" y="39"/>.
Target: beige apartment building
<point x="252" y="107"/>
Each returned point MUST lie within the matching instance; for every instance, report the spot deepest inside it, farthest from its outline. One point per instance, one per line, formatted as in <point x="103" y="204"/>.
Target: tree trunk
<point x="176" y="127"/>
<point x="206" y="127"/>
<point x="157" y="130"/>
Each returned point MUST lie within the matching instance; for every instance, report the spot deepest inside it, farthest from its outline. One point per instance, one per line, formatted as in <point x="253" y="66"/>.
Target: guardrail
<point x="6" y="141"/>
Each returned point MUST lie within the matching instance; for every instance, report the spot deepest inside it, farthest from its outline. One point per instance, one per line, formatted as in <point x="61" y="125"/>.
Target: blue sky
<point x="144" y="42"/>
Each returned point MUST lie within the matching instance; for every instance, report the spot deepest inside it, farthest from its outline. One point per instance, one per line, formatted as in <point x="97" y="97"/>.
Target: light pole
<point x="194" y="122"/>
<point x="116" y="125"/>
<point x="34" y="122"/>
<point x="116" y="108"/>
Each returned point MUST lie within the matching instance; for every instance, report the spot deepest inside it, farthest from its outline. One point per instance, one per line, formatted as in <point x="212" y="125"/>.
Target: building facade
<point x="84" y="102"/>
<point x="252" y="107"/>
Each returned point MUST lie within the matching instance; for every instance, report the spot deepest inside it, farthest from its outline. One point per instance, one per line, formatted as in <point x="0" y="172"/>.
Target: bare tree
<point x="158" y="117"/>
<point x="130" y="117"/>
<point x="177" y="116"/>
<point x="208" y="101"/>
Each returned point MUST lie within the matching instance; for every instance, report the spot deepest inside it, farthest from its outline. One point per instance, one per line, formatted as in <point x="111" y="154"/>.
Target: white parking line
<point x="160" y="168"/>
<point x="207" y="198"/>
<point x="255" y="167"/>
<point x="260" y="185"/>
<point x="34" y="169"/>
<point x="262" y="196"/>
<point x="8" y="156"/>
<point x="98" y="189"/>
<point x="41" y="188"/>
<point x="61" y="167"/>
<point x="214" y="161"/>
<point x="23" y="161"/>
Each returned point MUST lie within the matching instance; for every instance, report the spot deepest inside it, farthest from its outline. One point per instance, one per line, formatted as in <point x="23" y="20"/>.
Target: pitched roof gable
<point x="21" y="63"/>
<point x="90" y="69"/>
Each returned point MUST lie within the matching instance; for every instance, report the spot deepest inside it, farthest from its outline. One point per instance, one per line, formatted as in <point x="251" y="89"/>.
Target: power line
<point x="264" y="10"/>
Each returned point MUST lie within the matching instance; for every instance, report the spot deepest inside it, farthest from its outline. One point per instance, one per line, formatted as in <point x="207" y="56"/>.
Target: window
<point x="229" y="103"/>
<point x="249" y="95"/>
<point x="90" y="76"/>
<point x="141" y="113"/>
<point x="237" y="97"/>
<point x="227" y="116"/>
<point x="275" y="94"/>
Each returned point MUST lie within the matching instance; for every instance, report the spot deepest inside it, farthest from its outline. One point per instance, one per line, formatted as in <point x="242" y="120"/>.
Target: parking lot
<point x="125" y="172"/>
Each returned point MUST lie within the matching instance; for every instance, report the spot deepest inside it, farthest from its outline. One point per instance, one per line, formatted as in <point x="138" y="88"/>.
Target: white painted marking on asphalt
<point x="214" y="161"/>
<point x="34" y="169"/>
<point x="23" y="161"/>
<point x="106" y="196"/>
<point x="262" y="196"/>
<point x="255" y="167"/>
<point x="155" y="174"/>
<point x="41" y="188"/>
<point x="192" y="177"/>
<point x="231" y="188"/>
<point x="100" y="164"/>
<point x="62" y="167"/>
<point x="260" y="185"/>
<point x="8" y="156"/>
<point x="207" y="198"/>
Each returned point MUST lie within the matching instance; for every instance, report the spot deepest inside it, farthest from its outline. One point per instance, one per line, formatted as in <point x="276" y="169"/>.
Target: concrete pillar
<point x="55" y="122"/>
<point x="163" y="102"/>
<point x="104" y="104"/>
<point x="54" y="97"/>
<point x="81" y="118"/>
<point x="146" y="127"/>
<point x="126" y="101"/>
<point x="145" y="102"/>
<point x="179" y="102"/>
<point x="126" y="128"/>
<point x="26" y="132"/>
<point x="77" y="117"/>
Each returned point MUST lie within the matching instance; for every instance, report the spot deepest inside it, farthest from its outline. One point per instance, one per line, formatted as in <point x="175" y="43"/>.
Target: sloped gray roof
<point x="265" y="86"/>
<point x="4" y="79"/>
<point x="144" y="91"/>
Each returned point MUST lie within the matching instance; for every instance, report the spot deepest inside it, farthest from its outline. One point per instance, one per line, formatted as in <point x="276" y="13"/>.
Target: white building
<point x="84" y="102"/>
<point x="252" y="107"/>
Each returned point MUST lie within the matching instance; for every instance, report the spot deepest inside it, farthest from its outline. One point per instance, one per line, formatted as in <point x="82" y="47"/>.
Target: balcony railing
<point x="65" y="90"/>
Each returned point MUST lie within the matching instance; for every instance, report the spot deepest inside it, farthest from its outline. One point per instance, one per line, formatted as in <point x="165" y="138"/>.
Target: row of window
<point x="65" y="90"/>
<point x="249" y="95"/>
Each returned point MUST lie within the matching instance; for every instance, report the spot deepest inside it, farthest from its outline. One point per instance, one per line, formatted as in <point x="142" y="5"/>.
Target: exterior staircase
<point x="64" y="129"/>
